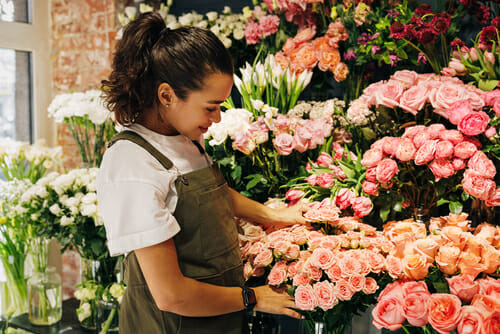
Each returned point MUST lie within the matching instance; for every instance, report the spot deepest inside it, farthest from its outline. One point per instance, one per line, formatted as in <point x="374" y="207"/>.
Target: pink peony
<point x="444" y="312"/>
<point x="434" y="130"/>
<point x="388" y="313"/>
<point x="454" y="136"/>
<point x="362" y="206"/>
<point x="426" y="152"/>
<point x="463" y="286"/>
<point x="458" y="164"/>
<point x="458" y="111"/>
<point x="441" y="168"/>
<point x="269" y="25"/>
<point x="444" y="149"/>
<point x="253" y="33"/>
<point x="406" y="150"/>
<point x="474" y="123"/>
<point x="465" y="150"/>
<point x="494" y="199"/>
<point x="482" y="165"/>
<point x="490" y="132"/>
<point x="372" y="157"/>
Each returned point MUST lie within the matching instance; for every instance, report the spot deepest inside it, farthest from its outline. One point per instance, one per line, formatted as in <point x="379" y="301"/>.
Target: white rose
<point x="202" y="24"/>
<point x="226" y="41"/>
<point x="238" y="34"/>
<point x="90" y="198"/>
<point x="55" y="209"/>
<point x="218" y="132"/>
<point x="67" y="220"/>
<point x="88" y="210"/>
<point x="212" y="16"/>
<point x="186" y="19"/>
<point x="116" y="290"/>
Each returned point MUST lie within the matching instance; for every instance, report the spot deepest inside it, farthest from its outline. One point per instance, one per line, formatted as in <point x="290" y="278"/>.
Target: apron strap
<point x="136" y="138"/>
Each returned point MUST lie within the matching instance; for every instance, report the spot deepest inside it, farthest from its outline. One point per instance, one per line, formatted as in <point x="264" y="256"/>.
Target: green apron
<point x="207" y="250"/>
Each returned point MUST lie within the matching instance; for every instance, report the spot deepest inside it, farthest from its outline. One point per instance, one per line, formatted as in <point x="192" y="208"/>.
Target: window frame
<point x="34" y="37"/>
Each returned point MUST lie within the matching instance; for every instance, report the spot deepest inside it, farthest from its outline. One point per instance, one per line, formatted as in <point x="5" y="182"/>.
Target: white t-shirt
<point x="136" y="194"/>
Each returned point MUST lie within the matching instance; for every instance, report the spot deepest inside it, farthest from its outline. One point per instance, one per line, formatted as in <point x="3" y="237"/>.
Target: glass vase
<point x="107" y="317"/>
<point x="45" y="297"/>
<point x="320" y="327"/>
<point x="13" y="286"/>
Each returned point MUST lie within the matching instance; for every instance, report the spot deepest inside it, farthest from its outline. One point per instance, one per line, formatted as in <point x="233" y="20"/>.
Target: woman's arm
<point x="173" y="292"/>
<point x="254" y="211"/>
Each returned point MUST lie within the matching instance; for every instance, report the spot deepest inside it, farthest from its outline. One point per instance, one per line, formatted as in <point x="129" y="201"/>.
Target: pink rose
<point x="344" y="291"/>
<point x="494" y="199"/>
<point x="474" y="141"/>
<point x="412" y="131"/>
<point x="458" y="164"/>
<point x="482" y="165"/>
<point x="371" y="174"/>
<point x="465" y="150"/>
<point x="301" y="279"/>
<point x="322" y="258"/>
<point x="434" y="130"/>
<point x="441" y="168"/>
<point x="458" y="111"/>
<point x="474" y="123"/>
<point x="370" y="188"/>
<point x="471" y="321"/>
<point x="281" y="124"/>
<point x="386" y="169"/>
<point x="276" y="276"/>
<point x="305" y="298"/>
<point x="406" y="150"/>
<point x="415" y="266"/>
<point x="420" y="138"/>
<point x="478" y="186"/>
<point x="389" y="94"/>
<point x="389" y="145"/>
<point x="372" y="157"/>
<point x="388" y="313"/>
<point x="344" y="198"/>
<point x="283" y="143"/>
<point x="362" y="206"/>
<point x="302" y="139"/>
<point x="426" y="152"/>
<point x="394" y="266"/>
<point x="444" y="312"/>
<point x="324" y="160"/>
<point x="444" y="149"/>
<point x="496" y="107"/>
<point x="454" y="136"/>
<point x="463" y="286"/>
<point x="490" y="132"/>
<point x="371" y="286"/>
<point x="264" y="258"/>
<point x="446" y="95"/>
<point x="326" y="180"/>
<point x="491" y="97"/>
<point x="293" y="252"/>
<point x="324" y="292"/>
<point x="415" y="308"/>
<point x="357" y="282"/>
<point x="334" y="273"/>
<point x="243" y="142"/>
<point x="414" y="99"/>
<point x="406" y="77"/>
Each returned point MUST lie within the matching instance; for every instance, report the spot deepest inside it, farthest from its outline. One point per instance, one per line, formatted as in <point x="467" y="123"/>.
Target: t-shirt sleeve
<point x="135" y="215"/>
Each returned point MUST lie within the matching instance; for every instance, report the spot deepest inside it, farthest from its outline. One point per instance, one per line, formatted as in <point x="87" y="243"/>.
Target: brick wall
<point x="82" y="39"/>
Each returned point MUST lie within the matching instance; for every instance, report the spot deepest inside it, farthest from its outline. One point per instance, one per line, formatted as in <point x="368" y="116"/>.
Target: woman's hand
<point x="290" y="215"/>
<point x="270" y="300"/>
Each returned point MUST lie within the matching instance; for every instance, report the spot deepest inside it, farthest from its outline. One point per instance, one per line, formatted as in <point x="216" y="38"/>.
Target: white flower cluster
<point x="65" y="196"/>
<point x="37" y="153"/>
<point x="89" y="103"/>
<point x="316" y="109"/>
<point x="226" y="25"/>
<point x="232" y="122"/>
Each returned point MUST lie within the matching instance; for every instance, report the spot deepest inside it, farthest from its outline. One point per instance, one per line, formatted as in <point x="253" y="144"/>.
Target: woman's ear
<point x="166" y="94"/>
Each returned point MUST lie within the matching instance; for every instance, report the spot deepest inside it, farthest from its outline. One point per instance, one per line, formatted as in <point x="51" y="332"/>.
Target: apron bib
<point x="207" y="249"/>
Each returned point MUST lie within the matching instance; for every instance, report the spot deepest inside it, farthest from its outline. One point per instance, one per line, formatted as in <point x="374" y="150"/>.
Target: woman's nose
<point x="215" y="117"/>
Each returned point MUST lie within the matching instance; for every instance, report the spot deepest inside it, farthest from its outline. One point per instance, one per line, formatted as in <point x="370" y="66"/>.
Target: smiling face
<point x="192" y="116"/>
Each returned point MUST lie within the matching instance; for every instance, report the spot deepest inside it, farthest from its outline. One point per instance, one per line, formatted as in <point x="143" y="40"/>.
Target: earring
<point x="167" y="105"/>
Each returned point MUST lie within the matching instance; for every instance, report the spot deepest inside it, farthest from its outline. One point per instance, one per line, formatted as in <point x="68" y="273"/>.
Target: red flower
<point x="483" y="14"/>
<point x="440" y="23"/>
<point x="398" y="30"/>
<point x="496" y="22"/>
<point x="457" y="42"/>
<point x="488" y="35"/>
<point x="426" y="36"/>
<point x="423" y="9"/>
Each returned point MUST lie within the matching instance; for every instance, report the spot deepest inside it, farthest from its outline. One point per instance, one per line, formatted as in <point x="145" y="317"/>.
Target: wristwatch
<point x="249" y="299"/>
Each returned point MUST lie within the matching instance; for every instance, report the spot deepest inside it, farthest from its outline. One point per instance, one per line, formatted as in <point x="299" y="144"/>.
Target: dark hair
<point x="149" y="54"/>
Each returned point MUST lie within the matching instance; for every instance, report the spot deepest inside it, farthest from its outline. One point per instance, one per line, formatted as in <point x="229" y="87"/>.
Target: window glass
<point x="15" y="95"/>
<point x="15" y="11"/>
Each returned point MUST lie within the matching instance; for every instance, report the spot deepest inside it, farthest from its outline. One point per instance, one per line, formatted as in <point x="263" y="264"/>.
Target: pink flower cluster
<point x="261" y="26"/>
<point x="296" y="11"/>
<point x="288" y="133"/>
<point x="325" y="269"/>
<point x="450" y="245"/>
<point x="411" y="91"/>
<point x="302" y="52"/>
<point x="411" y="301"/>
<point x="444" y="151"/>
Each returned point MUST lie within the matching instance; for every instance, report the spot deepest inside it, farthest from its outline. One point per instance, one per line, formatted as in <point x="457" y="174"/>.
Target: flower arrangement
<point x="20" y="160"/>
<point x="88" y="121"/>
<point x="440" y="291"/>
<point x="334" y="269"/>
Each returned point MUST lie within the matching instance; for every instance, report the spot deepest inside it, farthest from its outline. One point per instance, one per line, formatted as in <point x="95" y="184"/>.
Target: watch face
<point x="249" y="299"/>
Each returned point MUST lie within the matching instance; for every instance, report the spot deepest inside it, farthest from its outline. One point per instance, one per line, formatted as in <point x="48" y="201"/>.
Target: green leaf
<point x="455" y="207"/>
<point x="398" y="207"/>
<point x="384" y="212"/>
<point x="253" y="182"/>
<point x="236" y="173"/>
<point x="487" y="85"/>
<point x="442" y="201"/>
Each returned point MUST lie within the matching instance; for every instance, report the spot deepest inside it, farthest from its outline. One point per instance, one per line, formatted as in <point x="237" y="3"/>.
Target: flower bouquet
<point x="88" y="121"/>
<point x="440" y="290"/>
<point x="334" y="270"/>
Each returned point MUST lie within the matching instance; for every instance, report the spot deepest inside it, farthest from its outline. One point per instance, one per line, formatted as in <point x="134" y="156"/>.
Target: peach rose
<point x="322" y="258"/>
<point x="414" y="99"/>
<point x="485" y="304"/>
<point x="324" y="293"/>
<point x="415" y="266"/>
<point x="344" y="291"/>
<point x="490" y="258"/>
<point x="305" y="299"/>
<point x="301" y="279"/>
<point x="394" y="266"/>
<point x="482" y="165"/>
<point x="328" y="59"/>
<point x="463" y="286"/>
<point x="340" y="72"/>
<point x="357" y="282"/>
<point x="469" y="264"/>
<point x="447" y="259"/>
<point x="455" y="235"/>
<point x="264" y="258"/>
<point x="444" y="312"/>
<point x="492" y="322"/>
<point x="426" y="247"/>
<point x="471" y="321"/>
<point x="371" y="286"/>
<point x="388" y="313"/>
<point x="276" y="276"/>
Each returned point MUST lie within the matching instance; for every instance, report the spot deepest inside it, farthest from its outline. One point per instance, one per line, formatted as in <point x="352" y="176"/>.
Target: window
<point x="25" y="83"/>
